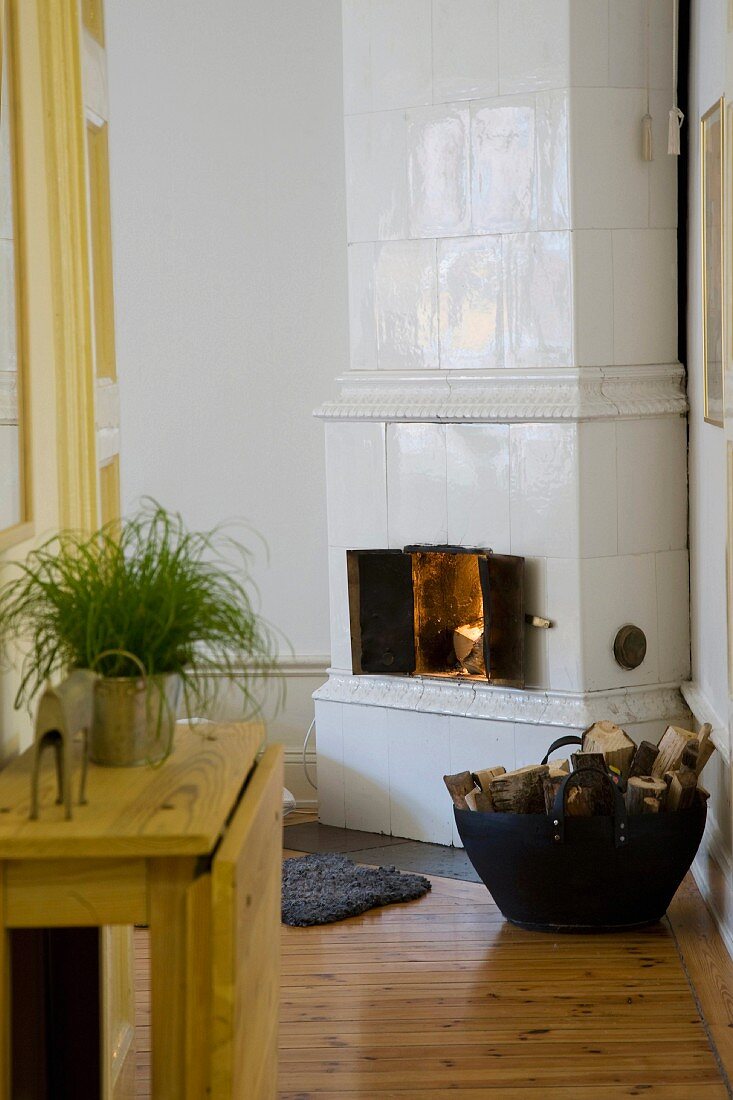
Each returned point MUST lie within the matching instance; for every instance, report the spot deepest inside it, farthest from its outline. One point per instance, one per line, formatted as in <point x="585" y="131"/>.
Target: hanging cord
<point x="647" y="150"/>
<point x="676" y="117"/>
<point x="311" y="727"/>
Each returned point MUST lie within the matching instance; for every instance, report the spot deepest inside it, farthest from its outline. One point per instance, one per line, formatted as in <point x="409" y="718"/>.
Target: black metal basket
<point x="553" y="873"/>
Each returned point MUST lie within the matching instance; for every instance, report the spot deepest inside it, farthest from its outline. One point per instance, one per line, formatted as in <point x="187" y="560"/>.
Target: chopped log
<point x="641" y="787"/>
<point x="582" y="760"/>
<point x="458" y="787"/>
<point x="484" y="777"/>
<point x="589" y="795"/>
<point x="484" y="802"/>
<point x="707" y="748"/>
<point x="651" y="806"/>
<point x="671" y="747"/>
<point x="615" y="744"/>
<point x="681" y="794"/>
<point x="690" y="754"/>
<point x="644" y="758"/>
<point x="520" y="791"/>
<point x="563" y="765"/>
<point x="551" y="782"/>
<point x="470" y="798"/>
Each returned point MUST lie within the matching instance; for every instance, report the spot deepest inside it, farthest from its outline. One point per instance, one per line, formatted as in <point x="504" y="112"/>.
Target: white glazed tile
<point x="614" y="592"/>
<point x="652" y="484"/>
<point x="406" y="292"/>
<point x="401" y="54"/>
<point x="553" y="185"/>
<point x="544" y="489"/>
<point x="477" y="743"/>
<point x="356" y="27"/>
<point x="588" y="43"/>
<point x="8" y="327"/>
<point x="416" y="484"/>
<point x="503" y="155"/>
<point x="439" y="196"/>
<point x="537" y="300"/>
<point x="627" y="36"/>
<point x="564" y="641"/>
<point x="673" y="609"/>
<point x="663" y="169"/>
<point x="470" y="302"/>
<point x="338" y="589"/>
<point x="465" y="49"/>
<point x="609" y="178"/>
<point x="593" y="293"/>
<point x="536" y="639"/>
<point x="532" y="742"/>
<point x="356" y="485"/>
<point x="533" y="45"/>
<point x="362" y="308"/>
<point x="366" y="769"/>
<point x="419" y="757"/>
<point x="330" y="757"/>
<point x="478" y="485"/>
<point x="645" y="295"/>
<point x="597" y="499"/>
<point x="376" y="177"/>
<point x="661" y="45"/>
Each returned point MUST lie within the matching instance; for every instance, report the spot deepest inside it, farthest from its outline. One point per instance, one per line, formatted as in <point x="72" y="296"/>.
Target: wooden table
<point x="191" y="848"/>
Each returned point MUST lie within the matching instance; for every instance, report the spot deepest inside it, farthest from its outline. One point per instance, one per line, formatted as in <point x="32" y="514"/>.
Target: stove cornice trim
<point x="510" y="396"/>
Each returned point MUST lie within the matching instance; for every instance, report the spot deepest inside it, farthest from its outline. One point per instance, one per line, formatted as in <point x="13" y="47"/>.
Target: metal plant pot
<point x="134" y="719"/>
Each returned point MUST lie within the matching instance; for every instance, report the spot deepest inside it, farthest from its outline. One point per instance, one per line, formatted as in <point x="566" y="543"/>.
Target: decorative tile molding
<point x="626" y="706"/>
<point x="8" y="397"/>
<point x="510" y="396"/>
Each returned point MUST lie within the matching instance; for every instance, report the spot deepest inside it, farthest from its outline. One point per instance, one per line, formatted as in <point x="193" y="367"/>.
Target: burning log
<point x="644" y="758"/>
<point x="484" y="777"/>
<point x="468" y="645"/>
<point x="459" y="785"/>
<point x="671" y="748"/>
<point x="617" y="747"/>
<point x="521" y="791"/>
<point x="642" y="788"/>
<point x="682" y="791"/>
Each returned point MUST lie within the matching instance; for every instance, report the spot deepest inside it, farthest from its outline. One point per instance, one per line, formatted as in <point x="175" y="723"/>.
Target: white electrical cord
<point x="311" y="727"/>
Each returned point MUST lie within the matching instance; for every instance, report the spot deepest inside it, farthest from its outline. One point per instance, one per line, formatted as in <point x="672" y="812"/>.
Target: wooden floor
<point x="440" y="998"/>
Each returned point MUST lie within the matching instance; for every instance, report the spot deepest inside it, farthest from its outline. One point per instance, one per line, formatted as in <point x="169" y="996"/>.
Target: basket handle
<point x="619" y="810"/>
<point x="569" y="739"/>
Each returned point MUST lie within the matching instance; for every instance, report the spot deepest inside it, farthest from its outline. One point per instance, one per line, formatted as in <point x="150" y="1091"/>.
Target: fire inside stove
<point x="450" y="612"/>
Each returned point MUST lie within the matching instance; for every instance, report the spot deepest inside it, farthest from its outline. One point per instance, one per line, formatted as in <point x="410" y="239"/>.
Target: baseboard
<point x="713" y="880"/>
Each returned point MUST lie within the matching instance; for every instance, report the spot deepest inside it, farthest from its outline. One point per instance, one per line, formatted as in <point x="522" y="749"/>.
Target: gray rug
<point x="322" y="888"/>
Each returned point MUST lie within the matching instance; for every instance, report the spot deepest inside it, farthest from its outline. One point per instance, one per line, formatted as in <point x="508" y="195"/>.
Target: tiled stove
<point x="514" y="382"/>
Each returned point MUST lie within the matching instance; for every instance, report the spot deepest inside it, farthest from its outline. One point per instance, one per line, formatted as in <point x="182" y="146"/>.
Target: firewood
<point x="551" y="782"/>
<point x="671" y="747"/>
<point x="616" y="745"/>
<point x="458" y="787"/>
<point x="589" y="795"/>
<point x="681" y="794"/>
<point x="484" y="802"/>
<point x="563" y="765"/>
<point x="641" y="787"/>
<point x="582" y="760"/>
<point x="651" y="806"/>
<point x="520" y="791"/>
<point x="644" y="758"/>
<point x="470" y="799"/>
<point x="484" y="777"/>
<point x="707" y="748"/>
<point x="690" y="755"/>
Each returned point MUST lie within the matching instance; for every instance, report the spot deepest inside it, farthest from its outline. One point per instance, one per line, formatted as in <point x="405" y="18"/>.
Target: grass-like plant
<point x="178" y="601"/>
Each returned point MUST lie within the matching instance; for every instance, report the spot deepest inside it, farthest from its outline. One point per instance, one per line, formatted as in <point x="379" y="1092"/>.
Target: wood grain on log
<point x="551" y="782"/>
<point x="641" y="787"/>
<point x="681" y="794"/>
<point x="582" y="760"/>
<point x="615" y="744"/>
<point x="483" y="778"/>
<point x="671" y="747"/>
<point x="521" y="791"/>
<point x="458" y="787"/>
<point x="484" y="802"/>
<point x="707" y="748"/>
<point x="589" y="795"/>
<point x="644" y="758"/>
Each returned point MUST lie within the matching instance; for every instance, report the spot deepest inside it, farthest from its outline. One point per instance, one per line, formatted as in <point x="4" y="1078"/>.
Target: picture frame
<point x="712" y="163"/>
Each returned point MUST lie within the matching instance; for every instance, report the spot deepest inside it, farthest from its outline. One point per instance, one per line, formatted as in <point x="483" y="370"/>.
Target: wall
<point x="228" y="216"/>
<point x="711" y="76"/>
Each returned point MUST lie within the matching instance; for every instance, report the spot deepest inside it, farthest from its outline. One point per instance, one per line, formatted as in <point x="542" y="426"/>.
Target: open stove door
<point x="381" y="607"/>
<point x="502" y="587"/>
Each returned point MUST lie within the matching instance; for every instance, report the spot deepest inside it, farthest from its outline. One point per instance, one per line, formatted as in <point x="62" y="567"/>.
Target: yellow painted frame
<point x="719" y="108"/>
<point x="60" y="30"/>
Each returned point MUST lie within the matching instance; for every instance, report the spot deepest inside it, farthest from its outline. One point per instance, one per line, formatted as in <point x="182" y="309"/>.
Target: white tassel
<point x="646" y="137"/>
<point x="676" y="118"/>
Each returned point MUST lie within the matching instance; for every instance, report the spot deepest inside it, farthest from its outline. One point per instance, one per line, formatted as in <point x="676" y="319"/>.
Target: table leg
<point x="169" y="880"/>
<point x="4" y="995"/>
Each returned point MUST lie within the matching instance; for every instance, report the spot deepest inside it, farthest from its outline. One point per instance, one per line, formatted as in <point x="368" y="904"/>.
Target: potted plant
<point x="156" y="610"/>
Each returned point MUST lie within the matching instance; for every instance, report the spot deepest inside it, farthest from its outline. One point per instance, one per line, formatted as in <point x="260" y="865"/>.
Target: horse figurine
<point x="63" y="711"/>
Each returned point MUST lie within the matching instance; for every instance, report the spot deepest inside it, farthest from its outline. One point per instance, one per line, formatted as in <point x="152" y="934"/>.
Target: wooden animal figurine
<point x="63" y="711"/>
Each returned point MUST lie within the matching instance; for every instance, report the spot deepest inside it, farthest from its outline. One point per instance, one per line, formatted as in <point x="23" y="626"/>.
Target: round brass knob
<point x="629" y="647"/>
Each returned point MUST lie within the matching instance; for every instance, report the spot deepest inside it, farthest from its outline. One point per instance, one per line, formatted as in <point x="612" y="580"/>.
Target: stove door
<point x="502" y="585"/>
<point x="381" y="610"/>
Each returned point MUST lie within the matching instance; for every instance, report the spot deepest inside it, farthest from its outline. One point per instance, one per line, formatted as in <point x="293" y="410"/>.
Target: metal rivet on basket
<point x="557" y="836"/>
<point x="556" y="823"/>
<point x="623" y="838"/>
<point x="622" y="826"/>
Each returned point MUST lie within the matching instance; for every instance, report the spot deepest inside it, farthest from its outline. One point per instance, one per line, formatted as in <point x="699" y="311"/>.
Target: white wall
<point x="228" y="209"/>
